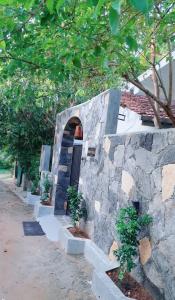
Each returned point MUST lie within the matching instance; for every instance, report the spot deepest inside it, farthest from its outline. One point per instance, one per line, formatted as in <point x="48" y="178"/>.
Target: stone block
<point x="157" y="180"/>
<point x="145" y="250"/>
<point x="168" y="181"/>
<point x="160" y="141"/>
<point x="70" y="244"/>
<point x="107" y="144"/>
<point x="118" y="156"/>
<point x="104" y="288"/>
<point x="70" y="150"/>
<point x="167" y="156"/>
<point x="113" y="248"/>
<point x="112" y="111"/>
<point x="50" y="226"/>
<point x="143" y="183"/>
<point x="65" y="158"/>
<point x="63" y="182"/>
<point x="145" y="160"/>
<point x="62" y="168"/>
<point x="146" y="141"/>
<point x="97" y="257"/>
<point x="153" y="273"/>
<point x="64" y="172"/>
<point x="45" y="158"/>
<point x="67" y="141"/>
<point x="32" y="199"/>
<point x="41" y="210"/>
<point x="169" y="219"/>
<point x="127" y="183"/>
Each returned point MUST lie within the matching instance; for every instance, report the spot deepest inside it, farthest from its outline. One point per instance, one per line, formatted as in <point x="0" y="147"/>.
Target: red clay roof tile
<point x="141" y="105"/>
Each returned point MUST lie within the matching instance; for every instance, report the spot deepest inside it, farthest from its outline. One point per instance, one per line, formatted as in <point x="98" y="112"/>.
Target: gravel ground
<point x="33" y="268"/>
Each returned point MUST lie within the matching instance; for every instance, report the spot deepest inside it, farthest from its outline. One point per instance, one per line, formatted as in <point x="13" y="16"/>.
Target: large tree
<point x="77" y="41"/>
<point x="70" y="50"/>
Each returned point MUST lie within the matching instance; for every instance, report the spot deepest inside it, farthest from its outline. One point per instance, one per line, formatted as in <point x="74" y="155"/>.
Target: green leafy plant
<point x="128" y="226"/>
<point x="77" y="208"/>
<point x="44" y="197"/>
<point x="47" y="184"/>
<point x="35" y="190"/>
<point x="32" y="174"/>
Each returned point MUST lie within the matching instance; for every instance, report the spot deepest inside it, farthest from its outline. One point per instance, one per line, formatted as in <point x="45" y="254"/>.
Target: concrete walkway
<point x="33" y="268"/>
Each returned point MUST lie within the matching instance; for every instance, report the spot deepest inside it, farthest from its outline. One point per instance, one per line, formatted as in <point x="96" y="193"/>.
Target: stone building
<point x="113" y="170"/>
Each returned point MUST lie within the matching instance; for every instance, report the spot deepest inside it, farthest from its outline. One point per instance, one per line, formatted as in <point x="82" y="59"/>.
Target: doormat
<point x="32" y="229"/>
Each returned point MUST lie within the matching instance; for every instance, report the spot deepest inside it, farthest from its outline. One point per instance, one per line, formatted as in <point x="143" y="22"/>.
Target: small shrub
<point x="44" y="197"/>
<point x="35" y="190"/>
<point x="128" y="226"/>
<point x="47" y="185"/>
<point x="33" y="175"/>
<point x="77" y="210"/>
<point x="33" y="170"/>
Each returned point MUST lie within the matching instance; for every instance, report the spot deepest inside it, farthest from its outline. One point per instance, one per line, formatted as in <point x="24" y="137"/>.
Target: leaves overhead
<point x="114" y="20"/>
<point x="144" y="5"/>
<point x="57" y="53"/>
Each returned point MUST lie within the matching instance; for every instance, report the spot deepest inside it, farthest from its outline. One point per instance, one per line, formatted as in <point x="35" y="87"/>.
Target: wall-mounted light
<point x="121" y="117"/>
<point x="91" y="151"/>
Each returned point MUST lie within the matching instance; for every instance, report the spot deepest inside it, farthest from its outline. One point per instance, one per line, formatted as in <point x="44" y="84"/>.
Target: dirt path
<point x="33" y="268"/>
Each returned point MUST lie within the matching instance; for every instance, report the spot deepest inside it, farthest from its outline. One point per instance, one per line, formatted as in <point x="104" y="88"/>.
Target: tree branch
<point x="170" y="73"/>
<point x="10" y="56"/>
<point x="155" y="106"/>
<point x="165" y="107"/>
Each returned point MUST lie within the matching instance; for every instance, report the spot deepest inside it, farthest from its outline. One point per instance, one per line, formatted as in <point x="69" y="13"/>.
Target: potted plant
<point x="34" y="194"/>
<point x="46" y="194"/>
<point x="129" y="225"/>
<point x="77" y="211"/>
<point x="35" y="189"/>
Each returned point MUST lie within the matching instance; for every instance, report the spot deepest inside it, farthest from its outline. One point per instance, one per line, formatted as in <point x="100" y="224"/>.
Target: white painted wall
<point x="132" y="122"/>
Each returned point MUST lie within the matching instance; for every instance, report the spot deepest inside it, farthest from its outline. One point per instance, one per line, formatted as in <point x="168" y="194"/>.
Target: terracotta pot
<point x="78" y="132"/>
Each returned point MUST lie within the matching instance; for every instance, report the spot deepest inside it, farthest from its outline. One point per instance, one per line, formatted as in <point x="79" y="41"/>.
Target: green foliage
<point x="33" y="175"/>
<point x="77" y="210"/>
<point x="143" y="5"/>
<point x="44" y="197"/>
<point x="35" y="190"/>
<point x="114" y="20"/>
<point x="47" y="185"/>
<point x="58" y="53"/>
<point x="26" y="121"/>
<point x="6" y="161"/>
<point x="33" y="171"/>
<point x="128" y="226"/>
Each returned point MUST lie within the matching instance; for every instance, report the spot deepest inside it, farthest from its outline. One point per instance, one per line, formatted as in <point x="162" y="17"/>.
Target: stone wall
<point x="137" y="167"/>
<point x="134" y="167"/>
<point x="98" y="117"/>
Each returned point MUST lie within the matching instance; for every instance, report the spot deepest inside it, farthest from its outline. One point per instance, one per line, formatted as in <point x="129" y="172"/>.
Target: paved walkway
<point x="33" y="268"/>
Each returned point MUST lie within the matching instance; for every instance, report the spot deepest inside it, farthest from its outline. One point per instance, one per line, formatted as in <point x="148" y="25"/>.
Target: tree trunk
<point x="157" y="122"/>
<point x="169" y="113"/>
<point x="170" y="73"/>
